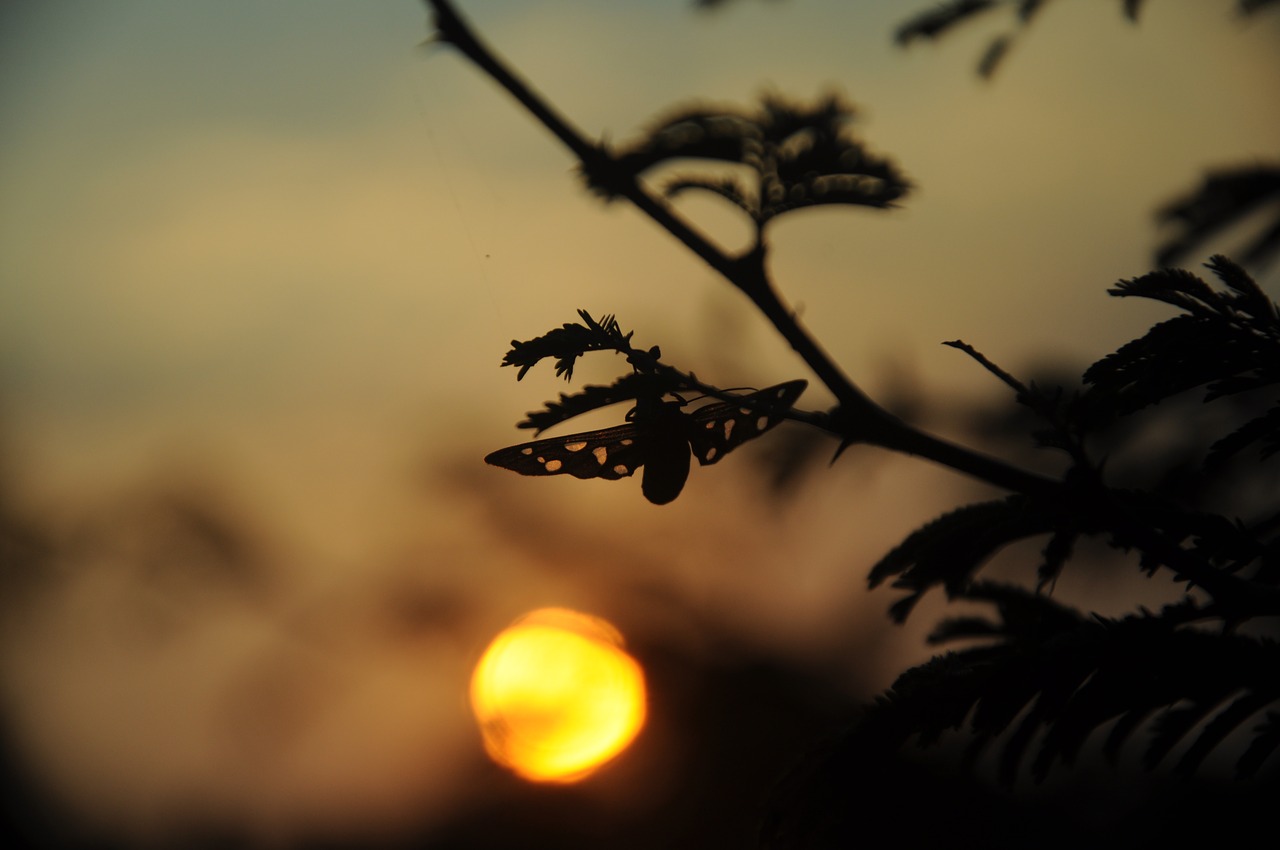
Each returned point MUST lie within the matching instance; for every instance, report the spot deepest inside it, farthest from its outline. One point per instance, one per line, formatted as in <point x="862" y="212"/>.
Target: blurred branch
<point x="934" y="23"/>
<point x="1224" y="199"/>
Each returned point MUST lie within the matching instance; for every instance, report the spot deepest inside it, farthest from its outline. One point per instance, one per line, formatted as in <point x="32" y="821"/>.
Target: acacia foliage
<point x="1048" y="675"/>
<point x="1036" y="678"/>
<point x="788" y="155"/>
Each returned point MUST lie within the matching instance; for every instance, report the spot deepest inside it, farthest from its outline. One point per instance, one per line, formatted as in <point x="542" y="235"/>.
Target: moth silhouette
<point x="659" y="437"/>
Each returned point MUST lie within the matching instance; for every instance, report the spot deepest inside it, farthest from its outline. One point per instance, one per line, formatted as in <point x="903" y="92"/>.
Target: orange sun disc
<point x="556" y="696"/>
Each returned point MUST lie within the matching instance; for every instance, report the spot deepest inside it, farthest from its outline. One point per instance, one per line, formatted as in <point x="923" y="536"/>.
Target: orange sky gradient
<point x="260" y="263"/>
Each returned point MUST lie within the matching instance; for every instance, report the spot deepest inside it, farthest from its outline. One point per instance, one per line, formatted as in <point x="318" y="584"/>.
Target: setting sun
<point x="556" y="696"/>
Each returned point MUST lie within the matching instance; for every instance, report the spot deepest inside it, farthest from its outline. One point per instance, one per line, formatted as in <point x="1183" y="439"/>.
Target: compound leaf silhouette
<point x="951" y="548"/>
<point x="591" y="397"/>
<point x="1045" y="677"/>
<point x="567" y="343"/>
<point x="1063" y="676"/>
<point x="796" y="156"/>
<point x="1225" y="341"/>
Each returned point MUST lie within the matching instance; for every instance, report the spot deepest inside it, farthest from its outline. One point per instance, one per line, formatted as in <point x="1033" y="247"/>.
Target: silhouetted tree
<point x="1036" y="677"/>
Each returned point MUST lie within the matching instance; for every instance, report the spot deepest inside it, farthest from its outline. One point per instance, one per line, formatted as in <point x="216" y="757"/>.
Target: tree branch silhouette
<point x="1067" y="671"/>
<point x="857" y="419"/>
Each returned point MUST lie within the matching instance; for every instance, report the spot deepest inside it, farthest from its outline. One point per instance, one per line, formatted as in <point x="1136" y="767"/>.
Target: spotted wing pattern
<point x="612" y="453"/>
<point x="720" y="428"/>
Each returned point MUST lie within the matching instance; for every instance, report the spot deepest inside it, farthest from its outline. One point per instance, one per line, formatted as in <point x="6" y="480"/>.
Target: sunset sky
<point x="264" y="258"/>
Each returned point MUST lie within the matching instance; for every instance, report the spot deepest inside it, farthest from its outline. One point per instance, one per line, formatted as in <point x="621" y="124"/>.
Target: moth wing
<point x="609" y="453"/>
<point x="719" y="428"/>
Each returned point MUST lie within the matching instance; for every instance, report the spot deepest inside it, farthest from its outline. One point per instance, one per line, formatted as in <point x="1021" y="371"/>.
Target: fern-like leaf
<point x="948" y="550"/>
<point x="801" y="155"/>
<point x="810" y="160"/>
<point x="567" y="343"/>
<point x="724" y="134"/>
<point x="627" y="388"/>
<point x="1227" y="341"/>
<point x="1076" y="674"/>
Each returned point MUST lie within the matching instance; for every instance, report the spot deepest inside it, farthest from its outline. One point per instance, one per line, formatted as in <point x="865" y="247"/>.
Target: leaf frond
<point x="949" y="550"/>
<point x="800" y="155"/>
<point x="720" y="133"/>
<point x="591" y="397"/>
<point x="567" y="343"/>
<point x="1225" y="340"/>
<point x="1066" y="676"/>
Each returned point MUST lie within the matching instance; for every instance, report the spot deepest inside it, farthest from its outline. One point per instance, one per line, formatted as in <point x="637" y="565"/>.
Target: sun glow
<point x="556" y="696"/>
